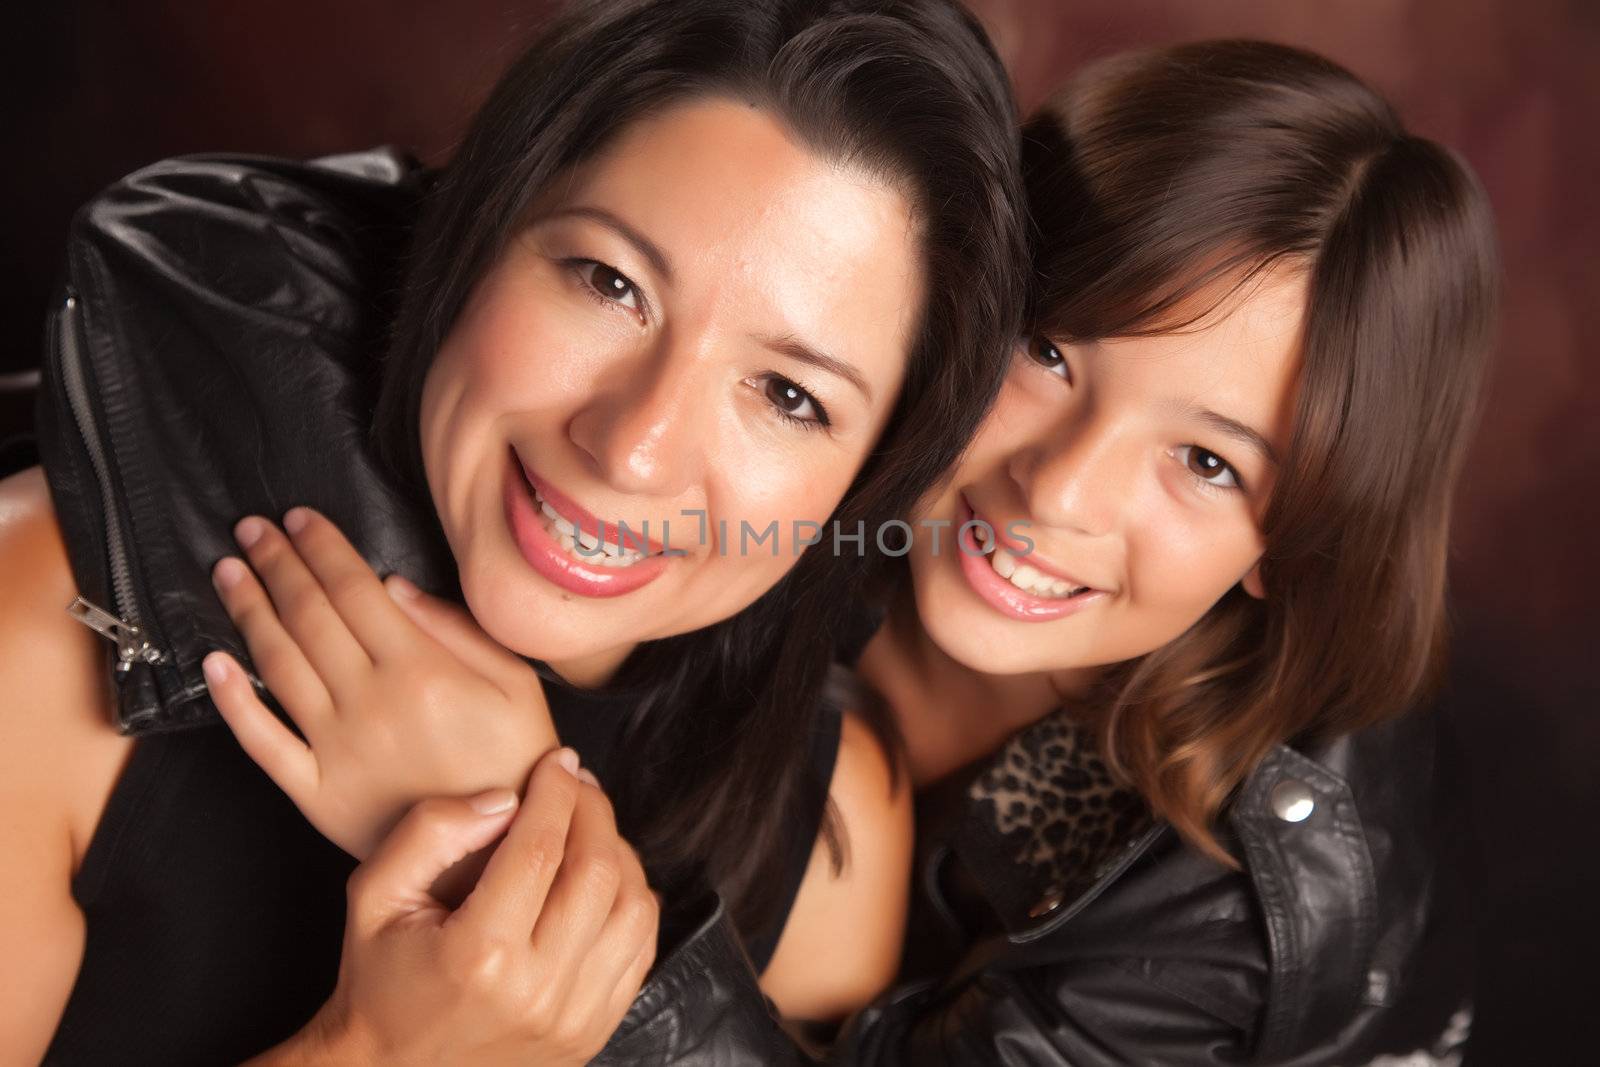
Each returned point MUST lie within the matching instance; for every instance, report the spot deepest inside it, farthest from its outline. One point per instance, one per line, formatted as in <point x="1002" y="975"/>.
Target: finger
<point x="264" y="738"/>
<point x="628" y="986"/>
<point x="593" y="868"/>
<point x="351" y="585"/>
<point x="283" y="667"/>
<point x="436" y="834"/>
<point x="505" y="904"/>
<point x="304" y="610"/>
<point x="453" y="627"/>
<point x="629" y="934"/>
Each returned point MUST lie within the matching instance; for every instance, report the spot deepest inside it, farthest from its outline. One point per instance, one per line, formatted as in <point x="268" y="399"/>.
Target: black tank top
<point x="215" y="912"/>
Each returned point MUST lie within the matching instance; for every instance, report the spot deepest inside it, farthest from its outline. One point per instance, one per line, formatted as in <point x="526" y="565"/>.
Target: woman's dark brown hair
<point x="716" y="755"/>
<point x="1157" y="175"/>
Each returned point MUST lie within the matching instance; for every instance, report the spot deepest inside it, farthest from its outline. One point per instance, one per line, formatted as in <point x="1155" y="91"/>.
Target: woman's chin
<point x="532" y="623"/>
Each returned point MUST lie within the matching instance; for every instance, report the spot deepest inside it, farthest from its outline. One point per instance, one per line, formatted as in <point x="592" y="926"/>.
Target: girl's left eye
<point x="1044" y="352"/>
<point x="609" y="283"/>
<point x="1209" y="467"/>
<point x="793" y="402"/>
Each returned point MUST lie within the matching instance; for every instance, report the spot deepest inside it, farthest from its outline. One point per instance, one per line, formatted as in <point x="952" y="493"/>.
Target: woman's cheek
<point x="788" y="495"/>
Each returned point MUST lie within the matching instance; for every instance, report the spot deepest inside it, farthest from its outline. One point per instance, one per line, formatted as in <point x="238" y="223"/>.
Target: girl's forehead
<point x="1237" y="327"/>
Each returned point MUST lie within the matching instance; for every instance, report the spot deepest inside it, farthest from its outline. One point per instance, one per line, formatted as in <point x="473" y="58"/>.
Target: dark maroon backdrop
<point x="96" y="89"/>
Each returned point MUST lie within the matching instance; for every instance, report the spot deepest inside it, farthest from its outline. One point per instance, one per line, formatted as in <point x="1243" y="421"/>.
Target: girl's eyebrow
<point x="646" y="248"/>
<point x="1237" y="430"/>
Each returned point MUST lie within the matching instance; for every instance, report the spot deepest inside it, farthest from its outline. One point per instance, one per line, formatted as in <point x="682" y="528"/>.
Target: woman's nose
<point x="1074" y="479"/>
<point x="641" y="433"/>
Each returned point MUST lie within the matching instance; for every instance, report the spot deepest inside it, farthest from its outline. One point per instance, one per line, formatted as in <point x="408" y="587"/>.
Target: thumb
<point x="435" y="834"/>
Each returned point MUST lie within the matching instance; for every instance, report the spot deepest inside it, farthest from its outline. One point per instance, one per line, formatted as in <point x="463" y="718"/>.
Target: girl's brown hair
<point x="1156" y="175"/>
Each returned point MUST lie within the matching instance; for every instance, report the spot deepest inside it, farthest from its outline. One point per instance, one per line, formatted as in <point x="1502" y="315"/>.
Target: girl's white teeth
<point x="1028" y="578"/>
<point x="570" y="537"/>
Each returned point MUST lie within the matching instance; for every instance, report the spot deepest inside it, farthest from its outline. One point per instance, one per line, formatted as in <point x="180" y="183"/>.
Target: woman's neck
<point x="593" y="670"/>
<point x="949" y="713"/>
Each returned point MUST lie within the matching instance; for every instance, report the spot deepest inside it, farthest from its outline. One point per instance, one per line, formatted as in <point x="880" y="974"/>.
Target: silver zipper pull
<point x="130" y="641"/>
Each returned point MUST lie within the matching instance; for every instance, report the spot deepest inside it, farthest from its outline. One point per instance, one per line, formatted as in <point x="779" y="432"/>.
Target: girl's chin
<point x="972" y="638"/>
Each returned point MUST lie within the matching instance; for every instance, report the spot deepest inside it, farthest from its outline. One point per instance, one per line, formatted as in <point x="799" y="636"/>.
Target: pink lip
<point x="1005" y="597"/>
<point x="585" y="520"/>
<point x="1036" y="561"/>
<point x="545" y="554"/>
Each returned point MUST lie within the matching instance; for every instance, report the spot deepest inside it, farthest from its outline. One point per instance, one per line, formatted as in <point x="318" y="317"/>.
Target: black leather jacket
<point x="212" y="356"/>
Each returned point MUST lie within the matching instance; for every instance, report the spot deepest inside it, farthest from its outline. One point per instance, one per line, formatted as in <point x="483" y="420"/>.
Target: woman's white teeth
<point x="1028" y="578"/>
<point x="555" y="518"/>
<point x="570" y="537"/>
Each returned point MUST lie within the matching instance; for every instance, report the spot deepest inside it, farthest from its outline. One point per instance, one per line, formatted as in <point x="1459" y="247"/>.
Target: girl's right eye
<point x="609" y="284"/>
<point x="1044" y="352"/>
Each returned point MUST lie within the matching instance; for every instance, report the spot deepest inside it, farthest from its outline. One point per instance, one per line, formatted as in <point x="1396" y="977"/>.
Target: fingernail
<point x="249" y="531"/>
<point x="295" y="519"/>
<point x="586" y="776"/>
<point x="227" y="572"/>
<point x="569" y="760"/>
<point x="401" y="587"/>
<point x="215" y="668"/>
<point x="493" y="802"/>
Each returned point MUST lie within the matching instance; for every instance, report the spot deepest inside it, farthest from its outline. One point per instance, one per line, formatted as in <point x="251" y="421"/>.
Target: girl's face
<point x="1138" y="468"/>
<point x="704" y="326"/>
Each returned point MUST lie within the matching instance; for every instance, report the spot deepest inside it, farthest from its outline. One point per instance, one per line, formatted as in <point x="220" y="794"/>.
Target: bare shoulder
<point x="841" y="945"/>
<point x="59" y="758"/>
<point x="55" y="699"/>
<point x="870" y="791"/>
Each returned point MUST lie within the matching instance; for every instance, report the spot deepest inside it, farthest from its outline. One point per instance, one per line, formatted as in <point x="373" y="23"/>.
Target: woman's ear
<point x="1252" y="582"/>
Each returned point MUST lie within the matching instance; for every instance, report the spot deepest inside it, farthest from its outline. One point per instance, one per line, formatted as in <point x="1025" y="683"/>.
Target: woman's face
<point x="1138" y="468"/>
<point x="703" y="328"/>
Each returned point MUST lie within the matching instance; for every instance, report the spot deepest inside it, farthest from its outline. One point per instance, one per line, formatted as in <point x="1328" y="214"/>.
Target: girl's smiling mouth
<point x="572" y="548"/>
<point x="1012" y="582"/>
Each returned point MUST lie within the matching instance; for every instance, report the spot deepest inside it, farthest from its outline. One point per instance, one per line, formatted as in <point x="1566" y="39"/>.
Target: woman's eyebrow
<point x="1237" y="430"/>
<point x="639" y="241"/>
<point x="797" y="349"/>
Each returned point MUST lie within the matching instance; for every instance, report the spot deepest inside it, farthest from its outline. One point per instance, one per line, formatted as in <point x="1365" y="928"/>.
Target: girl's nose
<point x="1073" y="479"/>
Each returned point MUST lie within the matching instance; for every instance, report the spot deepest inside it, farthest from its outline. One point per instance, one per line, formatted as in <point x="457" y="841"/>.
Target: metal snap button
<point x="1293" y="801"/>
<point x="1045" y="906"/>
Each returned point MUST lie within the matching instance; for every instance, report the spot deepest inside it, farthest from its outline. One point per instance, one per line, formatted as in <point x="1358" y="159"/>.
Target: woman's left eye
<point x="1208" y="467"/>
<point x="793" y="402"/>
<point x="609" y="283"/>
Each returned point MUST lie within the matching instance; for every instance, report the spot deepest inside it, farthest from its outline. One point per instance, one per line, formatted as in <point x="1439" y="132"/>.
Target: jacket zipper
<point x="120" y="624"/>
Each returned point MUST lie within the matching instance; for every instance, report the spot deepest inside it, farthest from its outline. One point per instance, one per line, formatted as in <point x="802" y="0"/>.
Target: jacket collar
<point x="1310" y="866"/>
<point x="214" y="355"/>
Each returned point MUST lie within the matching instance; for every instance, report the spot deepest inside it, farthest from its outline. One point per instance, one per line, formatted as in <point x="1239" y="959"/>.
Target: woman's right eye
<point x="609" y="284"/>
<point x="1044" y="352"/>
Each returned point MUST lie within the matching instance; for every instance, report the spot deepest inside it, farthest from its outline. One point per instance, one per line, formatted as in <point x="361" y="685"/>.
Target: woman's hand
<point x="538" y="965"/>
<point x="399" y="695"/>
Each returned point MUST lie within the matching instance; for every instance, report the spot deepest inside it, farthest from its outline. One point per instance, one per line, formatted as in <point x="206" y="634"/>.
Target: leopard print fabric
<point x="1050" y="808"/>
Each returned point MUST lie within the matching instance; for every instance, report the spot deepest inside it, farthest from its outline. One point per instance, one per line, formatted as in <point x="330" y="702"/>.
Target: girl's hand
<point x="399" y="695"/>
<point x="538" y="965"/>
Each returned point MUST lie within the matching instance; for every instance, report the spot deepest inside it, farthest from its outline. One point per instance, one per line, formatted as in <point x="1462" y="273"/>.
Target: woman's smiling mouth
<point x="571" y="548"/>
